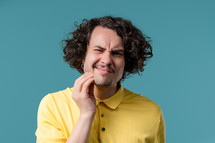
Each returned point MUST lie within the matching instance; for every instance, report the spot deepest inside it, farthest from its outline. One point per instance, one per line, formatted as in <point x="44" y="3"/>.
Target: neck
<point x="104" y="92"/>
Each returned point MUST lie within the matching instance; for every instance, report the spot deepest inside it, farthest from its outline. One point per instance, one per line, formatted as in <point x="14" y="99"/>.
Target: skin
<point x="103" y="66"/>
<point x="105" y="60"/>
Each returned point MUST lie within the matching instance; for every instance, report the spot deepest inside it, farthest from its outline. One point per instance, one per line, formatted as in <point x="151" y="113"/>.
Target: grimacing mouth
<point x="104" y="67"/>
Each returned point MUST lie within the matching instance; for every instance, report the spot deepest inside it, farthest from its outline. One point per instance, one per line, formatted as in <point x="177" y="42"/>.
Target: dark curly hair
<point x="137" y="48"/>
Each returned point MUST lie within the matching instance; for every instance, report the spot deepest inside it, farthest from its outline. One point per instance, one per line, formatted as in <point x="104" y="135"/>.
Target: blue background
<point x="180" y="77"/>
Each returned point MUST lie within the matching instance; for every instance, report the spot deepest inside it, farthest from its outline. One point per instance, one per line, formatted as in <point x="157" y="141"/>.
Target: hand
<point x="83" y="94"/>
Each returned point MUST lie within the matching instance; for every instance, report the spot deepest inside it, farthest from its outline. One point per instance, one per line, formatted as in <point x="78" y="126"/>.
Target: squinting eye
<point x="98" y="50"/>
<point x="117" y="53"/>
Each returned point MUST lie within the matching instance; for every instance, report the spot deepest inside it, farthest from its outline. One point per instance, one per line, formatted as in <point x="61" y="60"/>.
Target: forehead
<point x="105" y="37"/>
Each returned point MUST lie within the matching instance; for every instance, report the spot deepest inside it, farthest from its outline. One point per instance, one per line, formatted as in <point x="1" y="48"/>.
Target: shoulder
<point x="140" y="101"/>
<point x="54" y="109"/>
<point x="51" y="100"/>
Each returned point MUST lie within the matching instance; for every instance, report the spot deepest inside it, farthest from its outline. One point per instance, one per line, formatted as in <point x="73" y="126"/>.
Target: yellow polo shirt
<point x="125" y="117"/>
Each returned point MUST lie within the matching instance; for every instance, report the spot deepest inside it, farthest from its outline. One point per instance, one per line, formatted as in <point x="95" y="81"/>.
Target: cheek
<point x="92" y="58"/>
<point x="121" y="66"/>
<point x="89" y="62"/>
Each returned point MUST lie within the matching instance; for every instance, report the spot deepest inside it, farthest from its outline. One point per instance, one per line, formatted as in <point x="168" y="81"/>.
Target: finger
<point x="77" y="91"/>
<point x="83" y="76"/>
<point x="79" y="82"/>
<point x="85" y="88"/>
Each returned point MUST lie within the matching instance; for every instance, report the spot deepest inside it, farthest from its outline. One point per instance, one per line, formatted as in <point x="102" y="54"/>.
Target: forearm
<point x="81" y="131"/>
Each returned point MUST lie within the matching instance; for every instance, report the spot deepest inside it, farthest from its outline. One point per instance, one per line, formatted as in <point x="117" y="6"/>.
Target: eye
<point x="98" y="50"/>
<point x="117" y="53"/>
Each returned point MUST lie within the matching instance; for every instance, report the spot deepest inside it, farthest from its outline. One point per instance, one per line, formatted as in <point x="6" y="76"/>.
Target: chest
<point x="136" y="125"/>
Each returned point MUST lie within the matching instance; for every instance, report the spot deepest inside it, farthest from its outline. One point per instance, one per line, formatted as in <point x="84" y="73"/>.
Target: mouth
<point x="104" y="70"/>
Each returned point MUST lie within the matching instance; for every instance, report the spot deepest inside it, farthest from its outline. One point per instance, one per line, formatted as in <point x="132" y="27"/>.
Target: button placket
<point x="102" y="119"/>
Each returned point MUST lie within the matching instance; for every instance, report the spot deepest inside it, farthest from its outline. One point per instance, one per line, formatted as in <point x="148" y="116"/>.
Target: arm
<point x="83" y="96"/>
<point x="160" y="137"/>
<point x="80" y="133"/>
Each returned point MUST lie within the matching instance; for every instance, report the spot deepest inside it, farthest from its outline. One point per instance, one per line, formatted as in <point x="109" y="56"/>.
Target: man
<point x="98" y="109"/>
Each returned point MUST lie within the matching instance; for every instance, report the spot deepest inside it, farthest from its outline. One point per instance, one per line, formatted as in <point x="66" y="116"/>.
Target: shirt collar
<point x="114" y="101"/>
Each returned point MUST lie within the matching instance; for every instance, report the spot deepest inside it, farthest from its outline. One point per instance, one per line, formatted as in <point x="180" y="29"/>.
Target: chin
<point x="102" y="83"/>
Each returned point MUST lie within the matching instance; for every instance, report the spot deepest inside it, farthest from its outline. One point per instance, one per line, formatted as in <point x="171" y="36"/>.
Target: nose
<point x="106" y="58"/>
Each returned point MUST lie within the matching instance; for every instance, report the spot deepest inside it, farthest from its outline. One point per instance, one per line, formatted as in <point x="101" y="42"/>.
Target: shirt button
<point x="102" y="115"/>
<point x="100" y="103"/>
<point x="103" y="129"/>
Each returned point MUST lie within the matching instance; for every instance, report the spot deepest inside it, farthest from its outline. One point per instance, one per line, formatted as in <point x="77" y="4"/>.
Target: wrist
<point x="88" y="115"/>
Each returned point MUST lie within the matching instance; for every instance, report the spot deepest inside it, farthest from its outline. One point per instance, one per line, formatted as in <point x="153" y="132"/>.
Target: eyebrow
<point x="120" y="50"/>
<point x="99" y="47"/>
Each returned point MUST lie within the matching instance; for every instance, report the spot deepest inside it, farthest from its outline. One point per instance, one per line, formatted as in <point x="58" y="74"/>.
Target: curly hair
<point x="137" y="48"/>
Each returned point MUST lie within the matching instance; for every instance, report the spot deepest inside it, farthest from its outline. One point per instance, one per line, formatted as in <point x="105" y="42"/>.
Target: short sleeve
<point x="48" y="128"/>
<point x="160" y="137"/>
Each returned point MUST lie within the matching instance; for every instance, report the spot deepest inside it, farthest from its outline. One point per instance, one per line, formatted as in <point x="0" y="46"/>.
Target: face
<point x="105" y="57"/>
